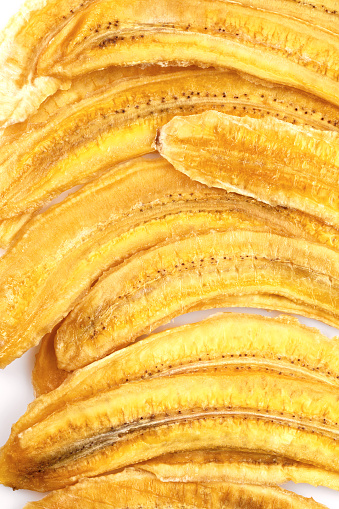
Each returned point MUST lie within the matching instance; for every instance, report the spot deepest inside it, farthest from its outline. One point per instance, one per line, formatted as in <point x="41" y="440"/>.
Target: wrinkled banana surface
<point x="139" y="205"/>
<point x="50" y="41"/>
<point x="270" y="160"/>
<point x="236" y="467"/>
<point x="112" y="115"/>
<point x="136" y="489"/>
<point x="199" y="272"/>
<point x="257" y="412"/>
<point x="223" y="342"/>
<point x="226" y="340"/>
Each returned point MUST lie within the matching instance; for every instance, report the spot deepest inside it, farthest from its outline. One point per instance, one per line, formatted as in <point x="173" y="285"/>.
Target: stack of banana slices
<point x="240" y="208"/>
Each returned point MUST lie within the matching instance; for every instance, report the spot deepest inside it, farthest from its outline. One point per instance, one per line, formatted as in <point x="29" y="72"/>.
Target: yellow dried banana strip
<point x="135" y="489"/>
<point x="50" y="41"/>
<point x="58" y="255"/>
<point x="199" y="272"/>
<point x="46" y="376"/>
<point x="236" y="467"/>
<point x="138" y="421"/>
<point x="113" y="115"/>
<point x="270" y="160"/>
<point x="224" y="341"/>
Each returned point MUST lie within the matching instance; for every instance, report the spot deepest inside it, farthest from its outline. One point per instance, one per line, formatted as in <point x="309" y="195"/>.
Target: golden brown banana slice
<point x="285" y="42"/>
<point x="61" y="253"/>
<point x="110" y="116"/>
<point x="260" y="413"/>
<point x="225" y="341"/>
<point x="199" y="272"/>
<point x="141" y="490"/>
<point x="270" y="160"/>
<point x="46" y="376"/>
<point x="236" y="467"/>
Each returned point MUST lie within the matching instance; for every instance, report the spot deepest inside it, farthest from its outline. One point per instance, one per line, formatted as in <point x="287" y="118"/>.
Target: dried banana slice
<point x="50" y="41"/>
<point x="46" y="376"/>
<point x="236" y="467"/>
<point x="199" y="272"/>
<point x="61" y="253"/>
<point x="135" y="489"/>
<point x="225" y="341"/>
<point x="260" y="413"/>
<point x="270" y="160"/>
<point x="110" y="116"/>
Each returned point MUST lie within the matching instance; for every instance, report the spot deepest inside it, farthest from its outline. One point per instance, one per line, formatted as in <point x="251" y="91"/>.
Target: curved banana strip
<point x="114" y="115"/>
<point x="258" y="158"/>
<point x="195" y="273"/>
<point x="286" y="42"/>
<point x="225" y="341"/>
<point x="260" y="413"/>
<point x="236" y="467"/>
<point x="61" y="253"/>
<point x="135" y="489"/>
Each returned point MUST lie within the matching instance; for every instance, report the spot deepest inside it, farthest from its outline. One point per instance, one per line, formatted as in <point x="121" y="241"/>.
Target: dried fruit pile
<point x="241" y="100"/>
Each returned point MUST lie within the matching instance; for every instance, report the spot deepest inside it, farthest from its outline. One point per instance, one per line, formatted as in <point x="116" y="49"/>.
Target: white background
<point x="16" y="390"/>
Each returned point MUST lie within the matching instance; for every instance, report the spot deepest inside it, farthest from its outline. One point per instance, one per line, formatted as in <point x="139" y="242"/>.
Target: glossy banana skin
<point x="61" y="253"/>
<point x="143" y="420"/>
<point x="136" y="489"/>
<point x="258" y="158"/>
<point x="285" y="42"/>
<point x="113" y="115"/>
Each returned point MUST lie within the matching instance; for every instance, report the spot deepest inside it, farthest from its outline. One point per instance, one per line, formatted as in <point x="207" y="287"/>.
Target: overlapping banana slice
<point x="227" y="340"/>
<point x="133" y="209"/>
<point x="49" y="42"/>
<point x="258" y="412"/>
<point x="270" y="160"/>
<point x="279" y="379"/>
<point x="112" y="115"/>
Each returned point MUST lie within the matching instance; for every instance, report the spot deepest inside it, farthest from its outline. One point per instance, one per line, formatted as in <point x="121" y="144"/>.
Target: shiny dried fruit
<point x="290" y="43"/>
<point x="199" y="272"/>
<point x="258" y="158"/>
<point x="61" y="253"/>
<point x="224" y="341"/>
<point x="259" y="413"/>
<point x="58" y="147"/>
<point x="135" y="489"/>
